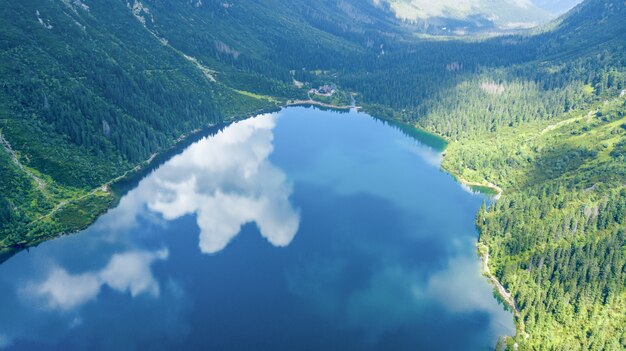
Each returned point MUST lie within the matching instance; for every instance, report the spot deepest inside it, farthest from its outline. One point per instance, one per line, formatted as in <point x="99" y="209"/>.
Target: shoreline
<point x="116" y="187"/>
<point x="6" y="252"/>
<point x="482" y="249"/>
<point x="498" y="191"/>
<point x="312" y="102"/>
<point x="507" y="297"/>
<point x="184" y="140"/>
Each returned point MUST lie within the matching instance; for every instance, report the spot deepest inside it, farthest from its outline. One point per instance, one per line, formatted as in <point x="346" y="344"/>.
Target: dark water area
<point x="299" y="230"/>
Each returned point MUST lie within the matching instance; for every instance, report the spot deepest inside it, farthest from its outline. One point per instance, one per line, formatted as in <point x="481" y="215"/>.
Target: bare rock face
<point x="141" y="12"/>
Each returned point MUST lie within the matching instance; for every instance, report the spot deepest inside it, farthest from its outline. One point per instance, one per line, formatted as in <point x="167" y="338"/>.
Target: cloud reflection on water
<point x="125" y="272"/>
<point x="430" y="156"/>
<point x="397" y="295"/>
<point x="380" y="258"/>
<point x="227" y="181"/>
<point x="4" y="341"/>
<point x="449" y="287"/>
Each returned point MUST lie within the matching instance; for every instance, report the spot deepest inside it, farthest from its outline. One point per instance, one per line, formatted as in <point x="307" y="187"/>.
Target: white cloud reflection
<point x="64" y="291"/>
<point x="4" y="341"/>
<point x="428" y="154"/>
<point x="395" y="295"/>
<point x="225" y="180"/>
<point x="449" y="287"/>
<point x="125" y="272"/>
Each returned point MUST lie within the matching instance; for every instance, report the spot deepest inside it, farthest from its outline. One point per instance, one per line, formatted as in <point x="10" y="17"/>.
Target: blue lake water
<point x="300" y="230"/>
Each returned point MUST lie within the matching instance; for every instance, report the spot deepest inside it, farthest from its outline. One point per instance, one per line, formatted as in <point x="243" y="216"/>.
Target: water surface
<point x="300" y="230"/>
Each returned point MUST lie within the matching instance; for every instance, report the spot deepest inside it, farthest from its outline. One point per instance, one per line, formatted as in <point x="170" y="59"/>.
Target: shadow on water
<point x="323" y="108"/>
<point x="433" y="141"/>
<point x="5" y="254"/>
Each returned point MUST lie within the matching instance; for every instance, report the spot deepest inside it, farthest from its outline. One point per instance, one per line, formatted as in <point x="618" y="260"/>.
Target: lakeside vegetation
<point x="557" y="235"/>
<point x="87" y="95"/>
<point x="549" y="131"/>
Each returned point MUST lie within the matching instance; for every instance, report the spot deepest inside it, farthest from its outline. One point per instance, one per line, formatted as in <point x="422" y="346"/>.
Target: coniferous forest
<point x="90" y="91"/>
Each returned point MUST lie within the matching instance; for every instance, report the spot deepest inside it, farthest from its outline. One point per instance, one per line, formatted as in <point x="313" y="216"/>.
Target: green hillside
<point x="90" y="91"/>
<point x="87" y="93"/>
<point x="551" y="132"/>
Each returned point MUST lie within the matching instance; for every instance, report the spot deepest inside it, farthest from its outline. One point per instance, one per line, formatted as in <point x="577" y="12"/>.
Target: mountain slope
<point x="556" y="130"/>
<point x="86" y="94"/>
<point x="592" y="25"/>
<point x="90" y="90"/>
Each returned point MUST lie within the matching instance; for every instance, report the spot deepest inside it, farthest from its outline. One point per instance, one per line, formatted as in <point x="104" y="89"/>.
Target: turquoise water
<point x="300" y="230"/>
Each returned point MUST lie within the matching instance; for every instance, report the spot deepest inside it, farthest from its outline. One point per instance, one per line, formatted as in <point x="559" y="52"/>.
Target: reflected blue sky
<point x="126" y="272"/>
<point x="225" y="181"/>
<point x="304" y="229"/>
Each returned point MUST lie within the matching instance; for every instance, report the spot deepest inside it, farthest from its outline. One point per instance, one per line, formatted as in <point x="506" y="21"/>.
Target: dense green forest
<point x="544" y="118"/>
<point x="551" y="134"/>
<point x="85" y="97"/>
<point x="556" y="237"/>
<point x="90" y="91"/>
